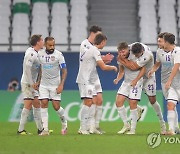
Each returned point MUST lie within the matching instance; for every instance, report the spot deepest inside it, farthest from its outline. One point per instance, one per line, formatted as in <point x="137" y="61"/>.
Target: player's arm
<point x="119" y="75"/>
<point x="129" y="63"/>
<point x="154" y="68"/>
<point x="140" y="75"/>
<point x="38" y="78"/>
<point x="63" y="77"/>
<point x="175" y="69"/>
<point x="105" y="67"/>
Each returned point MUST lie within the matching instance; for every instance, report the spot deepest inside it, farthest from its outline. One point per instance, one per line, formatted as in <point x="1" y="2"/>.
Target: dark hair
<point x="99" y="38"/>
<point x="169" y="37"/>
<point x="95" y="29"/>
<point x="122" y="45"/>
<point x="49" y="38"/>
<point x="161" y="35"/>
<point x="34" y="39"/>
<point x="137" y="48"/>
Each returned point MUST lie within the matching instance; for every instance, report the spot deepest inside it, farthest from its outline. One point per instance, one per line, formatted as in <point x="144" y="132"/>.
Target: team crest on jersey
<point x="52" y="58"/>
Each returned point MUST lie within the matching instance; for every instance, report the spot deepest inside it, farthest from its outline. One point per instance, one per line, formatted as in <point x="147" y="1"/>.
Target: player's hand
<point x="115" y="81"/>
<point x="168" y="84"/>
<point x="133" y="83"/>
<point x="59" y="89"/>
<point x="35" y="86"/>
<point x="107" y="58"/>
<point x="115" y="68"/>
<point x="150" y="73"/>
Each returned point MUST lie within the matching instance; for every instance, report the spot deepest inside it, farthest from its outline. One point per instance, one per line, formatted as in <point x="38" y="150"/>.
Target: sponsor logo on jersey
<point x="52" y="58"/>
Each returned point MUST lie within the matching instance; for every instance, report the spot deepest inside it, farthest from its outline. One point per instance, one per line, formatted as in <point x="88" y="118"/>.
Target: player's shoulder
<point x="58" y="53"/>
<point x="30" y="52"/>
<point x="177" y="49"/>
<point x="86" y="44"/>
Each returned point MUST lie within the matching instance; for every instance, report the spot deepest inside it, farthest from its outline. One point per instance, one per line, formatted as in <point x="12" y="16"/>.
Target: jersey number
<point x="47" y="59"/>
<point x="168" y="58"/>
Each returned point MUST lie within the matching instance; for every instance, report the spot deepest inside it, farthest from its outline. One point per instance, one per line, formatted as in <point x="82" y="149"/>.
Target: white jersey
<point x="88" y="57"/>
<point x="30" y="66"/>
<point x="51" y="65"/>
<point x="84" y="45"/>
<point x="147" y="60"/>
<point x="176" y="59"/>
<point x="165" y="59"/>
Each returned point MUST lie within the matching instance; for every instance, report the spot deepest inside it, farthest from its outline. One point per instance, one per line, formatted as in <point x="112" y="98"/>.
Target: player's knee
<point x="152" y="99"/>
<point x="170" y="106"/>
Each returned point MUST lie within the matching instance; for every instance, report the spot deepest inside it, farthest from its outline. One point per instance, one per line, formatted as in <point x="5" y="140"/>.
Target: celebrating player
<point x="131" y="88"/>
<point x="145" y="58"/>
<point x="89" y="58"/>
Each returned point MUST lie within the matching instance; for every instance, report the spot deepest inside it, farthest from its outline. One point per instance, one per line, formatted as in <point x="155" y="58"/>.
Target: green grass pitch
<point x="72" y="143"/>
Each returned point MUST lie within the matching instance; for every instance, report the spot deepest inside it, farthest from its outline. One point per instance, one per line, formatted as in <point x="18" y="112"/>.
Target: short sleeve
<point x="142" y="61"/>
<point x="30" y="59"/>
<point x="157" y="56"/>
<point x="62" y="62"/>
<point x="177" y="57"/>
<point x="97" y="55"/>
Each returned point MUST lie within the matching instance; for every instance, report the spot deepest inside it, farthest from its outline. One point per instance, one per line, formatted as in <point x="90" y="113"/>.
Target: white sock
<point x="37" y="118"/>
<point x="158" y="111"/>
<point x="91" y="119"/>
<point x="23" y="120"/>
<point x="44" y="116"/>
<point x="134" y="117"/>
<point x="98" y="115"/>
<point x="171" y="119"/>
<point x="123" y="114"/>
<point x="84" y="116"/>
<point x="60" y="112"/>
<point x="176" y="119"/>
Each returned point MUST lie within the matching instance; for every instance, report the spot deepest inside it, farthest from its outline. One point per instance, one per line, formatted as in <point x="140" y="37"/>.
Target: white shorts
<point x="149" y="86"/>
<point x="173" y="95"/>
<point x="97" y="87"/>
<point x="49" y="93"/>
<point x="86" y="90"/>
<point x="28" y="91"/>
<point x="130" y="92"/>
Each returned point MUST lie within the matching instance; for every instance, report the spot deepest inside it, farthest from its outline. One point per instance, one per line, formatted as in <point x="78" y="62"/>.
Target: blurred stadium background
<point x="68" y="22"/>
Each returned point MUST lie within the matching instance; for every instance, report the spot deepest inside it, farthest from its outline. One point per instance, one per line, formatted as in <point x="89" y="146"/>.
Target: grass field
<point x="72" y="143"/>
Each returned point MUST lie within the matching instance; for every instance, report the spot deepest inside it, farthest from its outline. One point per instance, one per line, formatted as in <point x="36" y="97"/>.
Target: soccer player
<point x="88" y="60"/>
<point x="145" y="58"/>
<point x="51" y="86"/>
<point x="30" y="85"/>
<point x="96" y="108"/>
<point x="173" y="81"/>
<point x="164" y="59"/>
<point x="131" y="88"/>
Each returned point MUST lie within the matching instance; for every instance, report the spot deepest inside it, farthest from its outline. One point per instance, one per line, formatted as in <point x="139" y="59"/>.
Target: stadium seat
<point x="20" y="26"/>
<point x="22" y="1"/>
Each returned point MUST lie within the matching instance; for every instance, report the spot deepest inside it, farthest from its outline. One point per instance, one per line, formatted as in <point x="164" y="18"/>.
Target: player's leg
<point x="134" y="97"/>
<point x="165" y="93"/>
<point x="28" y="97"/>
<point x="86" y="93"/>
<point x="99" y="111"/>
<point x="60" y="112"/>
<point x="172" y="100"/>
<point x="122" y="94"/>
<point x="150" y="90"/>
<point x="37" y="113"/>
<point x="44" y="98"/>
<point x="133" y="115"/>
